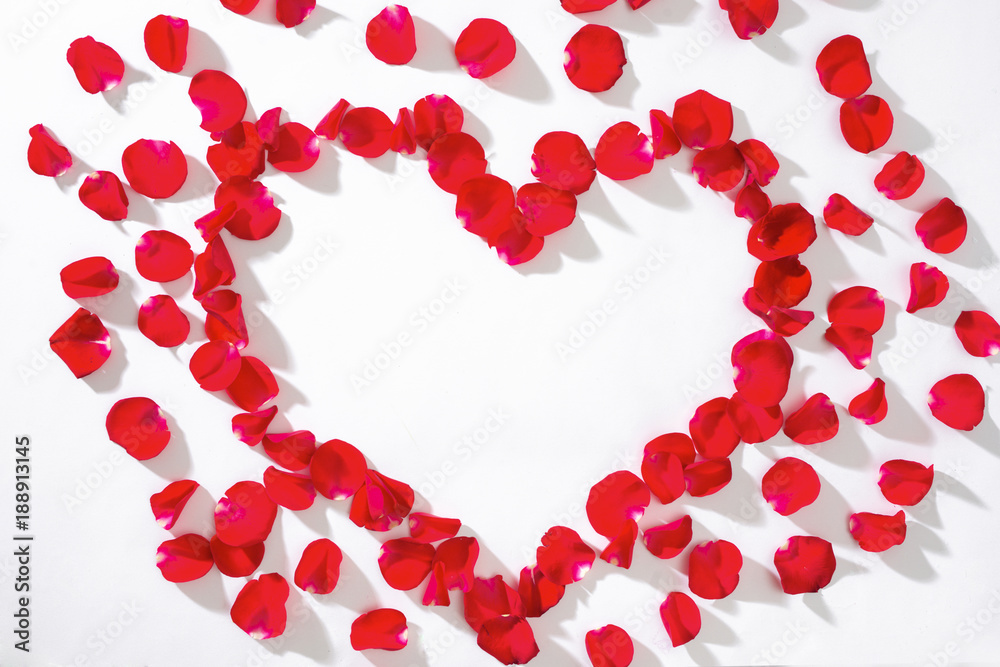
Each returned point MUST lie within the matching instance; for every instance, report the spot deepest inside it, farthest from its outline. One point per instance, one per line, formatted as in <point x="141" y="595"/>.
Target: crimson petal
<point x="561" y="160"/>
<point x="329" y="126"/>
<point x="614" y="500"/>
<point x="434" y="116"/>
<point x="816" y="421"/>
<point x="843" y="67"/>
<point x="405" y="562"/>
<point x="291" y="491"/>
<point x="402" y="138"/>
<point x="679" y="444"/>
<point x="978" y="332"/>
<point x="224" y="318"/>
<point x="318" y="570"/>
<point x="242" y="7"/>
<point x="804" y="564"/>
<point x="762" y="366"/>
<point x="509" y="639"/>
<point x="296" y="148"/>
<point x="707" y="477"/>
<point x="546" y="210"/>
<point x="485" y="205"/>
<point x="750" y="18"/>
<point x="712" y="432"/>
<point x="537" y="592"/>
<point x="210" y="224"/>
<point x="665" y="141"/>
<point x="854" y="342"/>
<point x="752" y="423"/>
<point x="254" y="385"/>
<point x="82" y="343"/>
<point x="594" y="58"/>
<point x="162" y="256"/>
<point x="102" y="193"/>
<point x="584" y="6"/>
<point x="250" y="427"/>
<point x="219" y="99"/>
<point x="670" y="539"/>
<point x="168" y="503"/>
<point x="943" y="228"/>
<point x="237" y="561"/>
<point x="338" y="469"/>
<point x="245" y="515"/>
<point x="786" y="230"/>
<point x="680" y="617"/>
<point x="663" y="472"/>
<point x="866" y="123"/>
<point x="760" y="160"/>
<point x="365" y="131"/>
<point x="184" y="558"/>
<point x="212" y="269"/>
<point x="624" y="152"/>
<point x="609" y="646"/>
<point x="259" y="608"/>
<point x="383" y="629"/>
<point x="292" y="451"/>
<point x="156" y="169"/>
<point x="391" y="36"/>
<point x="870" y="406"/>
<point x="619" y="550"/>
<point x="92" y="276"/>
<point x="958" y="401"/>
<point x="790" y="485"/>
<point x="563" y="557"/>
<point x="484" y="48"/>
<point x="429" y="528"/>
<point x="905" y="482"/>
<point x="840" y="214"/>
<point x="720" y="168"/>
<point x="488" y="599"/>
<point x="714" y="569"/>
<point x="97" y="66"/>
<point x="702" y="120"/>
<point x="256" y="216"/>
<point x="453" y="159"/>
<point x="162" y="321"/>
<point x="137" y="424"/>
<point x="166" y="41"/>
<point x="46" y="156"/>
<point x="877" y="532"/>
<point x="862" y="307"/>
<point x="291" y="13"/>
<point x="900" y="177"/>
<point x="928" y="287"/>
<point x="381" y="503"/>
<point x="751" y="202"/>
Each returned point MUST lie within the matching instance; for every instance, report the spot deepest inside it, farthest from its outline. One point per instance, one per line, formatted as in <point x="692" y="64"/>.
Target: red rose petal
<point x="405" y="563"/>
<point x="291" y="13"/>
<point x="318" y="570"/>
<point x="292" y="451"/>
<point x="816" y="421"/>
<point x="365" y="131"/>
<point x="866" y="123"/>
<point x="166" y="40"/>
<point x="259" y="608"/>
<point x="783" y="282"/>
<point x="291" y="491"/>
<point x="702" y="120"/>
<point x="663" y="472"/>
<point x="486" y="205"/>
<point x="928" y="287"/>
<point x="670" y="539"/>
<point x="870" y="405"/>
<point x="329" y="126"/>
<point x="762" y="366"/>
<point x="958" y="401"/>
<point x="297" y="148"/>
<point x="617" y="498"/>
<point x="905" y="482"/>
<point x="624" y="152"/>
<point x="714" y="569"/>
<point x="861" y="307"/>
<point x="210" y="224"/>
<point x="546" y="210"/>
<point x="92" y="276"/>
<point x="750" y="18"/>
<point x="242" y="7"/>
<point x="563" y="557"/>
<point x="680" y="617"/>
<point x="237" y="561"/>
<point x="843" y="67"/>
<point x="752" y="423"/>
<point x="381" y="503"/>
<point x="561" y="160"/>
<point x="537" y="593"/>
<point x="845" y="217"/>
<point x="789" y="485"/>
<point x="456" y="559"/>
<point x="162" y="321"/>
<point x="484" y="48"/>
<point x="636" y="4"/>
<point x="402" y="139"/>
<point x="584" y="6"/>
<point x="619" y="550"/>
<point x="256" y="215"/>
<point x="224" y="318"/>
<point x="751" y="202"/>
<point x="786" y="230"/>
<point x="433" y="116"/>
<point x="156" y="169"/>
<point x="609" y="646"/>
<point x="707" y="477"/>
<point x="184" y="558"/>
<point x="212" y="269"/>
<point x="383" y="629"/>
<point x="168" y="503"/>
<point x="877" y="532"/>
<point x="943" y="228"/>
<point x="254" y="385"/>
<point x="760" y="160"/>
<point x="82" y="343"/>
<point x="391" y="36"/>
<point x="515" y="244"/>
<point x="804" y="564"/>
<point x="509" y="639"/>
<point x="46" y="156"/>
<point x="102" y="193"/>
<point x="219" y="99"/>
<point x="712" y="432"/>
<point x="679" y="444"/>
<point x="429" y="528"/>
<point x="97" y="66"/>
<point x="488" y="599"/>
<point x="453" y="159"/>
<point x="245" y="515"/>
<point x="137" y="424"/>
<point x="900" y="177"/>
<point x="249" y="428"/>
<point x="665" y="141"/>
<point x="594" y="58"/>
<point x="978" y="332"/>
<point x="338" y="469"/>
<point x="854" y="342"/>
<point x="720" y="168"/>
<point x="162" y="256"/>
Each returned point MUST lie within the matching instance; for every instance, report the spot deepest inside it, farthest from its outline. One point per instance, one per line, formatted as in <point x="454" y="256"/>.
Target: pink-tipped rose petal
<point x="804" y="564"/>
<point x="291" y="13"/>
<point x="490" y="598"/>
<point x="291" y="491"/>
<point x="877" y="532"/>
<point x="168" y="503"/>
<point x="292" y="451"/>
<point x="665" y="141"/>
<point x="219" y="99"/>
<point x="456" y="560"/>
<point x="210" y="224"/>
<point x="762" y="367"/>
<point x="365" y="131"/>
<point x="102" y="193"/>
<point x="786" y="230"/>
<point x="237" y="561"/>
<point x="702" y="120"/>
<point x="861" y="307"/>
<point x="434" y="116"/>
<point x="256" y="216"/>
<point x="712" y="432"/>
<point x="453" y="159"/>
<point x="620" y="548"/>
<point x="381" y="503"/>
<point x="162" y="321"/>
<point x="905" y="482"/>
<point x="391" y="36"/>
<point x="137" y="425"/>
<point x="753" y="424"/>
<point x="900" y="177"/>
<point x="485" y="205"/>
<point x="594" y="58"/>
<point x="405" y="562"/>
<point x="429" y="528"/>
<point x="707" y="477"/>
<point x="245" y="515"/>
<point x="760" y="160"/>
<point x="537" y="592"/>
<point x="816" y="421"/>
<point x="943" y="228"/>
<point x="403" y="139"/>
<point x="318" y="570"/>
<point x="561" y="160"/>
<point x="484" y="48"/>
<point x="680" y="617"/>
<point x="383" y="629"/>
<point x="564" y="558"/>
<point x="338" y="469"/>
<point x="212" y="269"/>
<point x="720" y="168"/>
<point x="250" y="427"/>
<point x="82" y="342"/>
<point x="670" y="539"/>
<point x="614" y="500"/>
<point x="663" y="472"/>
<point x="254" y="385"/>
<point x="166" y="40"/>
<point x="241" y="7"/>
<point x="714" y="569"/>
<point x="978" y="332"/>
<point x="609" y="646"/>
<point x="584" y="6"/>
<point x="156" y="169"/>
<point x="259" y="608"/>
<point x="515" y="244"/>
<point x="750" y="18"/>
<point x="624" y="152"/>
<point x="162" y="256"/>
<point x="296" y="148"/>
<point x="958" y="401"/>
<point x="97" y="66"/>
<point x="92" y="276"/>
<point x="751" y="202"/>
<point x="184" y="558"/>
<point x="870" y="406"/>
<point x="46" y="156"/>
<point x="854" y="342"/>
<point x="329" y="126"/>
<point x="843" y="67"/>
<point x="840" y="214"/>
<point x="509" y="639"/>
<point x="224" y="319"/>
<point x="546" y="210"/>
<point x="866" y="123"/>
<point x="928" y="287"/>
<point x="790" y="485"/>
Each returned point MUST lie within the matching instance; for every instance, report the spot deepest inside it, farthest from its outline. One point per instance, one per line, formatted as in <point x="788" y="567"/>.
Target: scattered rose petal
<point x="224" y="318"/>
<point x="490" y="598"/>
<point x="162" y="256"/>
<point x="485" y="205"/>
<point x="97" y="66"/>
<point x="943" y="228"/>
<point x="91" y="276"/>
<point x="714" y="569"/>
<point x="624" y="152"/>
<point x="563" y="557"/>
<point x="546" y="210"/>
<point x="790" y="485"/>
<point x="900" y="177"/>
<point x="338" y="469"/>
<point x="184" y="558"/>
<point x="168" y="503"/>
<point x="680" y="617"/>
<point x="256" y="216"/>
<point x="516" y="245"/>
<point x="670" y="539"/>
<point x="212" y="269"/>
<point x="665" y="141"/>
<point x="402" y="139"/>
<point x="619" y="550"/>
<point x="538" y="594"/>
<point x="137" y="424"/>
<point x="750" y="18"/>
<point x="866" y="123"/>
<point x="291" y="491"/>
<point x="870" y="406"/>
<point x="365" y="131"/>
<point x="854" y="342"/>
<point x="292" y="451"/>
<point x="862" y="307"/>
<point x="663" y="472"/>
<point x="786" y="230"/>
<point x="594" y="58"/>
<point x="254" y="385"/>
<point x="958" y="401"/>
<point x="405" y="562"/>
<point x="707" y="477"/>
<point x="752" y="423"/>
<point x="250" y="427"/>
<point x="291" y="13"/>
<point x="318" y="570"/>
<point x="712" y="432"/>
<point x="751" y="202"/>
<point x="978" y="332"/>
<point x="381" y="503"/>
<point x="928" y="287"/>
<point x="720" y="168"/>
<point x="455" y="563"/>
<point x="329" y="126"/>
<point x="762" y="366"/>
<point x="760" y="160"/>
<point x="816" y="421"/>
<point x="429" y="528"/>
<point x="259" y="608"/>
<point x="702" y="120"/>
<point x="509" y="639"/>
<point x="46" y="156"/>
<point x="783" y="282"/>
<point x="219" y="99"/>
<point x="162" y="321"/>
<point x="210" y="224"/>
<point x="609" y="646"/>
<point x="484" y="48"/>
<point x="297" y="148"/>
<point x="453" y="159"/>
<point x="383" y="629"/>
<point x="584" y="6"/>
<point x="245" y="515"/>
<point x="391" y="36"/>
<point x="561" y="160"/>
<point x="843" y="67"/>
<point x="242" y="7"/>
<point x="237" y="561"/>
<point x="434" y="116"/>
<point x="877" y="532"/>
<point x="156" y="169"/>
<point x="267" y="127"/>
<point x="82" y="343"/>
<point x="840" y="214"/>
<point x="636" y="4"/>
<point x="905" y="482"/>
<point x="614" y="500"/>
<point x="804" y="564"/>
<point x="102" y="193"/>
<point x="679" y="444"/>
<point x="166" y="40"/>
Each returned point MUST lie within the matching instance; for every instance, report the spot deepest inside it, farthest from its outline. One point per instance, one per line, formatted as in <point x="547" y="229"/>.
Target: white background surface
<point x="568" y="421"/>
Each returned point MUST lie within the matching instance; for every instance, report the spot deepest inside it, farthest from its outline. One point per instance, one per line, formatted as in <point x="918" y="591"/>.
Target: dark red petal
<point x="783" y="282"/>
<point x="786" y="230"/>
<point x="365" y="131"/>
<point x="256" y="215"/>
<point x="162" y="321"/>
<point x="291" y="491"/>
<point x="714" y="569"/>
<point x="102" y="193"/>
<point x="943" y="228"/>
<point x="702" y="120"/>
<point x="854" y="342"/>
<point x="978" y="332"/>
<point x="751" y="202"/>
<point x="402" y="138"/>
<point x="636" y="4"/>
<point x="614" y="500"/>
<point x="670" y="539"/>
<point x="866" y="123"/>
<point x="707" y="477"/>
<point x="594" y="58"/>
<point x="242" y="7"/>
<point x="156" y="169"/>
<point x="804" y="564"/>
<point x="391" y="36"/>
<point x="485" y="205"/>
<point x="210" y="224"/>
<point x="877" y="532"/>
<point x="219" y="99"/>
<point x="958" y="401"/>
<point x="224" y="318"/>
<point x="538" y="594"/>
<point x="563" y="557"/>
<point x="609" y="646"/>
<point x="92" y="276"/>
<point x="338" y="469"/>
<point x="212" y="269"/>
<point x="679" y="444"/>
<point x="318" y="570"/>
<point x="249" y="428"/>
<point x="296" y="148"/>
<point x="516" y="245"/>
<point x="237" y="561"/>
<point x="291" y="13"/>
<point x="619" y="550"/>
<point x="490" y="598"/>
<point x="381" y="503"/>
<point x="928" y="287"/>
<point x="861" y="307"/>
<point x="584" y="6"/>
<point x="245" y="515"/>
<point x="168" y="503"/>
<point x="680" y="617"/>
<point x="184" y="558"/>
<point x="752" y="423"/>
<point x="429" y="528"/>
<point x="790" y="485"/>
<point x="816" y="421"/>
<point x="509" y="639"/>
<point x="166" y="40"/>
<point x="720" y="168"/>
<point x="870" y="406"/>
<point x="82" y="343"/>
<point x="383" y="629"/>
<point x="750" y="18"/>
<point x="329" y="126"/>
<point x="843" y="67"/>
<point x="787" y="322"/>
<point x="292" y="451"/>
<point x="663" y="472"/>
<point x="546" y="210"/>
<point x="665" y="141"/>
<point x="624" y="152"/>
<point x="712" y="432"/>
<point x="405" y="562"/>
<point x="900" y="177"/>
<point x="561" y="160"/>
<point x="137" y="424"/>
<point x="433" y="116"/>
<point x="905" y="482"/>
<point x="455" y="563"/>
<point x="845" y="217"/>
<point x="453" y="159"/>
<point x="760" y="160"/>
<point x="97" y="66"/>
<point x="162" y="256"/>
<point x="259" y="608"/>
<point x="484" y="48"/>
<point x="254" y="385"/>
<point x="762" y="366"/>
<point x="46" y="156"/>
